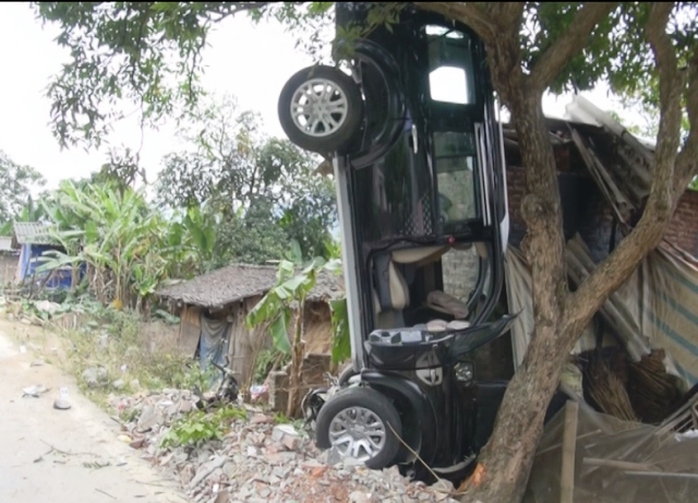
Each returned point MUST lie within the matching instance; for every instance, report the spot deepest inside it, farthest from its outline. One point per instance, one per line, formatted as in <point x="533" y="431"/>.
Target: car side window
<point x="454" y="156"/>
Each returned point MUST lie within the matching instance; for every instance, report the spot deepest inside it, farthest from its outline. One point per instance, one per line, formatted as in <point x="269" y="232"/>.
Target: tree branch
<point x="506" y="13"/>
<point x="467" y="13"/>
<point x="671" y="87"/>
<point x="569" y="43"/>
<point x="617" y="267"/>
<point x="687" y="160"/>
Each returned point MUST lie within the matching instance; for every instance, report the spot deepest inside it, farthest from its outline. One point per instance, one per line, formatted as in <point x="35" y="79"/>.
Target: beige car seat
<point x="391" y="293"/>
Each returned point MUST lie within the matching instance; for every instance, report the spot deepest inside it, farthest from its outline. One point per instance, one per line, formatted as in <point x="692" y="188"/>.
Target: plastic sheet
<point x="616" y="461"/>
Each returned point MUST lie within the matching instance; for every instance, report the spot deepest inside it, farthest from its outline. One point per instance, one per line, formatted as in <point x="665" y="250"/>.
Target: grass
<point x="143" y="355"/>
<point x="199" y="426"/>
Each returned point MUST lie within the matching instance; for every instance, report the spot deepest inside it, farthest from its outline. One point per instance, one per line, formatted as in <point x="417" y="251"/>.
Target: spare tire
<point x="321" y="109"/>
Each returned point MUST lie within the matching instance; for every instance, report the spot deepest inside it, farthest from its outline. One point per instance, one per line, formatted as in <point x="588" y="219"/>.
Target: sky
<point x="250" y="62"/>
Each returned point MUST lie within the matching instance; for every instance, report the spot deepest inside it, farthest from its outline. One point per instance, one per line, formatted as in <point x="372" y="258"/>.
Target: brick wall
<point x="683" y="229"/>
<point x="460" y="270"/>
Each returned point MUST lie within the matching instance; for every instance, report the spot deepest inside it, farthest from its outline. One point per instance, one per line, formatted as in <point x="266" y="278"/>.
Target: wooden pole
<point x="569" y="447"/>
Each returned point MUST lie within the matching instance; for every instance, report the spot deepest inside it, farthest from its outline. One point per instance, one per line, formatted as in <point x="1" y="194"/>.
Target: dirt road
<point x="71" y="456"/>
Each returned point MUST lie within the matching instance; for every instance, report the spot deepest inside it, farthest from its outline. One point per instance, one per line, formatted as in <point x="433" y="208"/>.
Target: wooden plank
<point x="569" y="447"/>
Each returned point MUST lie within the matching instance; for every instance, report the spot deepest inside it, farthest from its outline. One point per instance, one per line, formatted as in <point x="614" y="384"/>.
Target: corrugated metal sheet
<point x="35" y="233"/>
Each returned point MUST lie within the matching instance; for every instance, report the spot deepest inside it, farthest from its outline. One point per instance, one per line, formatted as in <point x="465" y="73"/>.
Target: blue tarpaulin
<point x="30" y="260"/>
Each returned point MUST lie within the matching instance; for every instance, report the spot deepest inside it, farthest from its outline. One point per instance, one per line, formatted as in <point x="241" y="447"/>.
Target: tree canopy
<point x="262" y="192"/>
<point x="149" y="53"/>
<point x="16" y="183"/>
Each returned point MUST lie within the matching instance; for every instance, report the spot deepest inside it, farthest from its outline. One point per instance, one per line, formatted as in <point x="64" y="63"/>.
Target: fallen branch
<point x="105" y="493"/>
<point x="67" y="453"/>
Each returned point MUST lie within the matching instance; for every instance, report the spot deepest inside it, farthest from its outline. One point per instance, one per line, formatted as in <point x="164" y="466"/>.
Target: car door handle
<point x="415" y="145"/>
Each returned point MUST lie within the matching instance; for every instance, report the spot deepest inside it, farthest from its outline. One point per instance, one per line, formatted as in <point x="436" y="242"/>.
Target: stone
<point x="282" y="472"/>
<point x="34" y="391"/>
<point x="149" y="419"/>
<point x="172" y="410"/>
<point x="261" y="419"/>
<point x="348" y="461"/>
<point x="134" y="384"/>
<point x="229" y="469"/>
<point x="119" y="384"/>
<point x="61" y="404"/>
<point x="360" y="497"/>
<point x="280" y="458"/>
<point x="207" y="469"/>
<point x="186" y="474"/>
<point x="185" y="406"/>
<point x="317" y="471"/>
<point x="221" y="497"/>
<point x="333" y="457"/>
<point x="137" y="443"/>
<point x="95" y="377"/>
<point x="292" y="443"/>
<point x="443" y="486"/>
<point x="286" y="435"/>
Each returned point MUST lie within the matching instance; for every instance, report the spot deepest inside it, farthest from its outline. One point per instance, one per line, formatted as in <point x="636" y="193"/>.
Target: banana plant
<point x="277" y="308"/>
<point x="286" y="298"/>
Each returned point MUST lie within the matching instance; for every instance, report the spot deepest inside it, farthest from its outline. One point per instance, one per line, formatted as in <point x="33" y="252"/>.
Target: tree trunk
<point x="296" y="363"/>
<point x="506" y="460"/>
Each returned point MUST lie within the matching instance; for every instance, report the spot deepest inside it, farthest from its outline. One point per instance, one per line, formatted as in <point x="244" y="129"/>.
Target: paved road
<point x="31" y="472"/>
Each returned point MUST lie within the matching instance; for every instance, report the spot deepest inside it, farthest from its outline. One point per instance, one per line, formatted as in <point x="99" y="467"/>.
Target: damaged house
<point x="212" y="308"/>
<point x="637" y="361"/>
<point x="646" y="334"/>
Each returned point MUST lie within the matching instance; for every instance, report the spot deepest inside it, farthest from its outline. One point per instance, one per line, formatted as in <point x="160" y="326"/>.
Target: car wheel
<point x="360" y="423"/>
<point x="321" y="109"/>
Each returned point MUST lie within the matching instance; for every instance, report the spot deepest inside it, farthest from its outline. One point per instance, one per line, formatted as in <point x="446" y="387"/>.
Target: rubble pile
<point x="258" y="460"/>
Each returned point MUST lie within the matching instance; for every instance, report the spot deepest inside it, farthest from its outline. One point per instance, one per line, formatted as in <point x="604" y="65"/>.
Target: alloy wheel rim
<point x="319" y="107"/>
<point x="357" y="432"/>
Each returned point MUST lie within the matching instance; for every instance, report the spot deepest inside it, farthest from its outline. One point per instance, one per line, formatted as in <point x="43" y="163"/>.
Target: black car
<point x="417" y="152"/>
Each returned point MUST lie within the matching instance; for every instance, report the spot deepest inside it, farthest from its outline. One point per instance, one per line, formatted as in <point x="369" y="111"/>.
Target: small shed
<point x="213" y="306"/>
<point x="32" y="240"/>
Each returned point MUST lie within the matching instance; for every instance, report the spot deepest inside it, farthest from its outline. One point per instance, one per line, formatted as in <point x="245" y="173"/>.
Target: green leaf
<point x="279" y="332"/>
<point x="341" y="341"/>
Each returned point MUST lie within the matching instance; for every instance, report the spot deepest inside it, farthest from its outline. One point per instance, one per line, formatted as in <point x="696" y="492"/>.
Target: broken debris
<point x="257" y="460"/>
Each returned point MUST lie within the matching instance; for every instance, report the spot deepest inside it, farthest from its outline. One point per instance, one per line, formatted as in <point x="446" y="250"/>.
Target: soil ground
<point x="62" y="456"/>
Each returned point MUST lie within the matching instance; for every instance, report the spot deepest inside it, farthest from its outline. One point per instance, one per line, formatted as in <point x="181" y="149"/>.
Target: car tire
<point x="360" y="398"/>
<point x="337" y="126"/>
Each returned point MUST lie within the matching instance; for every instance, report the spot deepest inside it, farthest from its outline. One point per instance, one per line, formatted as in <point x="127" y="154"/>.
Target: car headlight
<point x="465" y="372"/>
